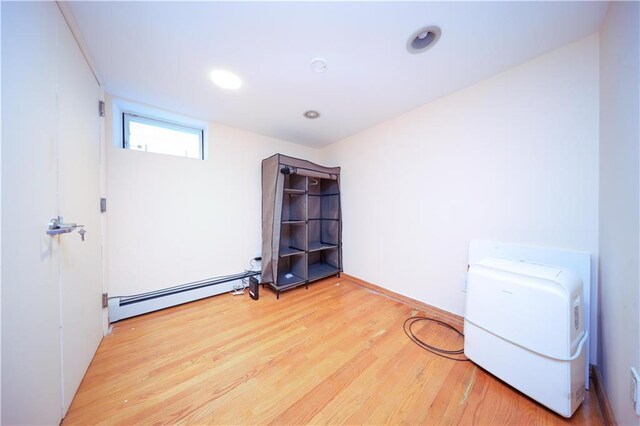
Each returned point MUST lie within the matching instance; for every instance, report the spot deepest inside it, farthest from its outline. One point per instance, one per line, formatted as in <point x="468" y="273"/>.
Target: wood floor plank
<point x="333" y="354"/>
<point x="417" y="376"/>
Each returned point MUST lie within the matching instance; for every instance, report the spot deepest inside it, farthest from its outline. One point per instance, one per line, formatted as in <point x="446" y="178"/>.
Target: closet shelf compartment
<point x="319" y="245"/>
<point x="290" y="251"/>
<point x="321" y="270"/>
<point x="287" y="280"/>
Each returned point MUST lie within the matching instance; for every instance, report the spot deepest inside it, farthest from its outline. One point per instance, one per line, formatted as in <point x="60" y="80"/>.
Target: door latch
<point x="57" y="227"/>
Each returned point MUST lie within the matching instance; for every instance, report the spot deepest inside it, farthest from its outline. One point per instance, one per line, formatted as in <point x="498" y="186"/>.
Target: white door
<point x="51" y="286"/>
<point x="79" y="202"/>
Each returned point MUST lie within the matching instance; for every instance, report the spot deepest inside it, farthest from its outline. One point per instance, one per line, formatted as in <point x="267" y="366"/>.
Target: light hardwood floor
<point x="335" y="353"/>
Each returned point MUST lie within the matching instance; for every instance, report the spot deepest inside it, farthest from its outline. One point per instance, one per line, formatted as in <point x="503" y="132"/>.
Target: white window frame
<point x="121" y="107"/>
<point x="127" y="117"/>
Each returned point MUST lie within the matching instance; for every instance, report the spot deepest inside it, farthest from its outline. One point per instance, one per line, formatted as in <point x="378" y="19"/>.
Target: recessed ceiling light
<point x="423" y="39"/>
<point x="311" y="114"/>
<point x="226" y="79"/>
<point x="319" y="65"/>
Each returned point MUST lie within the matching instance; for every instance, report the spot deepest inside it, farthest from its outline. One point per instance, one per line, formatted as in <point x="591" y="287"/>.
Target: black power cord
<point x="445" y="353"/>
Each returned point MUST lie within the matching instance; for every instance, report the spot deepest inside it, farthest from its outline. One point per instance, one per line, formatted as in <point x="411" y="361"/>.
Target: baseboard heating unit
<point x="524" y="323"/>
<point x="121" y="307"/>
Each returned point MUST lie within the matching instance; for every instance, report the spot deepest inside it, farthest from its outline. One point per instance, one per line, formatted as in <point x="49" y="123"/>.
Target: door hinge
<point x="105" y="300"/>
<point x="101" y="108"/>
<point x="103" y="205"/>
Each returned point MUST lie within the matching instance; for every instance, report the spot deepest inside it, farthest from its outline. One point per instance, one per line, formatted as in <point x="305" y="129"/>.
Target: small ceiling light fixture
<point x="311" y="114"/>
<point x="318" y="65"/>
<point x="423" y="39"/>
<point x="226" y="79"/>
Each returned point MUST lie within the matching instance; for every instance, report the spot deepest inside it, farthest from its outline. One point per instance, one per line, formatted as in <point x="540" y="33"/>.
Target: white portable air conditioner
<point x="524" y="324"/>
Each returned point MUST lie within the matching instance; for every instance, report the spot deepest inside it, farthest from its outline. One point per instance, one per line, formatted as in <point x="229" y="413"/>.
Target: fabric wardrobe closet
<point x="301" y="222"/>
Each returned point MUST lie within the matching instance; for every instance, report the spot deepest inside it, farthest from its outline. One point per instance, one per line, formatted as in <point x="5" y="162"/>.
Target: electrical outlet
<point x="635" y="392"/>
<point x="463" y="283"/>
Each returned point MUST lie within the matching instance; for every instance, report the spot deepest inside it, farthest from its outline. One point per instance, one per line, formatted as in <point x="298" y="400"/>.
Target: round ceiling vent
<point x="311" y="114"/>
<point x="423" y="39"/>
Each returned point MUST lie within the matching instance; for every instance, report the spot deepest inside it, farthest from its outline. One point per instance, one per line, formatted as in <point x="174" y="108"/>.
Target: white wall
<point x="173" y="220"/>
<point x="0" y="213"/>
<point x="619" y="209"/>
<point x="31" y="355"/>
<point x="513" y="159"/>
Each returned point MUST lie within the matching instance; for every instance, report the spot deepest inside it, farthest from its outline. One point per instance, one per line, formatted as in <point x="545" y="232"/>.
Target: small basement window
<point x="162" y="137"/>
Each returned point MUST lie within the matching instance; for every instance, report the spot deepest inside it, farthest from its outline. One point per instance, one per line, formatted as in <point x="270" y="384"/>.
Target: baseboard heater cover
<point x="122" y="307"/>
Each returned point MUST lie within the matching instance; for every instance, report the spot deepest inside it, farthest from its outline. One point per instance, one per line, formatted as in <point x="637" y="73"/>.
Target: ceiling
<point x="161" y="54"/>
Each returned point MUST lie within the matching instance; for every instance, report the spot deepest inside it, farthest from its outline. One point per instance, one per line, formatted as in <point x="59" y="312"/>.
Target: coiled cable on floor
<point x="445" y="353"/>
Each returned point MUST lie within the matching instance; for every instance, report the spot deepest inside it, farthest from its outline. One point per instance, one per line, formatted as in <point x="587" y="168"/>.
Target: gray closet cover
<point x="272" y="194"/>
